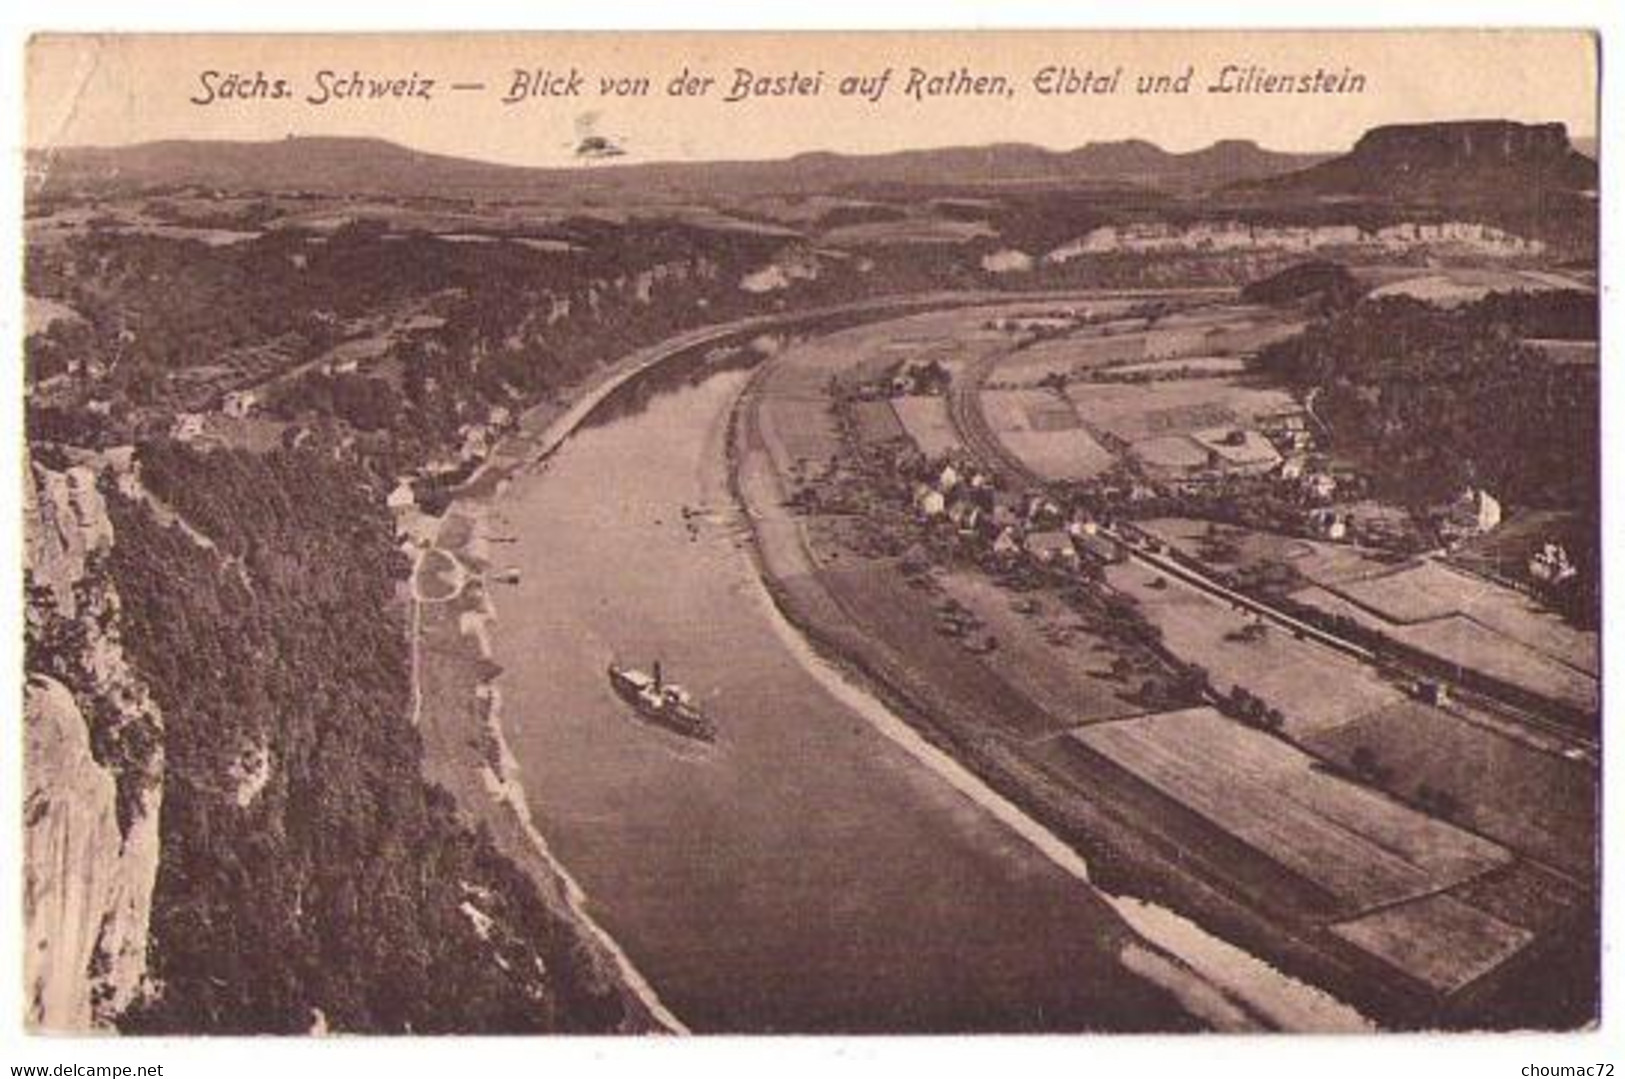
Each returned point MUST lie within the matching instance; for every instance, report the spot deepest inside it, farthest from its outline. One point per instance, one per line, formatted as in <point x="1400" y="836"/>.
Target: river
<point x="805" y="874"/>
<point x="818" y="870"/>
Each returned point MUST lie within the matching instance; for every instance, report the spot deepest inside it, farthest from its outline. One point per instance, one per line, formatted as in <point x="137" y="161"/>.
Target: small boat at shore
<point x="663" y="703"/>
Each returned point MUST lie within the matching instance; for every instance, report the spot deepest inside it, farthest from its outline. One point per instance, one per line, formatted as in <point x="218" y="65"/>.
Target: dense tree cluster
<point x="339" y="885"/>
<point x="1436" y="399"/>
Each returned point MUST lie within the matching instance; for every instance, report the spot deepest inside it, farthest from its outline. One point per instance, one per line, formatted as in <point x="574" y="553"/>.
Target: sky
<point x="112" y="90"/>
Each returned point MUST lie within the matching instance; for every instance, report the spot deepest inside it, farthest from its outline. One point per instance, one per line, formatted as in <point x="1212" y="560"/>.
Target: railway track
<point x="1582" y="745"/>
<point x="965" y="412"/>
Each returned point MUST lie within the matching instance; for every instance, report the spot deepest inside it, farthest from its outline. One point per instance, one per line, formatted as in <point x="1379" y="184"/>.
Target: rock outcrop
<point x="92" y="768"/>
<point x="87" y="885"/>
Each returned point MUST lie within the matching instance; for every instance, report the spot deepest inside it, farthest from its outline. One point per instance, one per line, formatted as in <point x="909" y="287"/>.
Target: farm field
<point x="1242" y="338"/>
<point x="1170" y="340"/>
<point x="1322" y="563"/>
<point x="1463" y="285"/>
<point x="1177" y="406"/>
<point x="1068" y="355"/>
<point x="877" y="422"/>
<point x="1430" y="590"/>
<point x="1041" y="429"/>
<point x="1540" y="804"/>
<point x="1471" y="645"/>
<point x="927" y="423"/>
<point x="1416" y="593"/>
<point x="1438" y="940"/>
<point x="881" y="610"/>
<point x="1191" y="364"/>
<point x="1064" y="679"/>
<point x="1208" y="339"/>
<point x="1358" y="845"/>
<point x="1467" y="643"/>
<point x="1171" y="453"/>
<point x="1284" y="672"/>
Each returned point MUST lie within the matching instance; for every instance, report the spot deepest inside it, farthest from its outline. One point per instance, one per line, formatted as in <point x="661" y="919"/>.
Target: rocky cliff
<point x="92" y="768"/>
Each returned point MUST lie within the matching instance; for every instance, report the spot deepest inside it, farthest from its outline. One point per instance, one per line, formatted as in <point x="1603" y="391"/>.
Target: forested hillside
<point x="308" y="872"/>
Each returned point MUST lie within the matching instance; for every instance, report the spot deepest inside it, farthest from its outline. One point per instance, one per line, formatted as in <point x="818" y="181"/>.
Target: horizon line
<point x="600" y="165"/>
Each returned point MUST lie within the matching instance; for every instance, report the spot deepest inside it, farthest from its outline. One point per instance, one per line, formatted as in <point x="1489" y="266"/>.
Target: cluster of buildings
<point x="1550" y="565"/>
<point x="1278" y="444"/>
<point x="913" y="378"/>
<point x="475" y="443"/>
<point x="1006" y="527"/>
<point x="1240" y="236"/>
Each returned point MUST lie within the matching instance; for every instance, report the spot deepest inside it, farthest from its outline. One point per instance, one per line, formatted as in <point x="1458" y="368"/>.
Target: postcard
<point x="862" y="533"/>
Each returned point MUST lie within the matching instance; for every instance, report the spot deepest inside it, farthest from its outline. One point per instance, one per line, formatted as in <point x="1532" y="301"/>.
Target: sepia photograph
<point x="954" y="532"/>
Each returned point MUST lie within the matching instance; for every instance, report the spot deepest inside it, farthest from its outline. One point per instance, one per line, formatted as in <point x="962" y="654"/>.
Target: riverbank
<point x="815" y="585"/>
<point x="457" y="703"/>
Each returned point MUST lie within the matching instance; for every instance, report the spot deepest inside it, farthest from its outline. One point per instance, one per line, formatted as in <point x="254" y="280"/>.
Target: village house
<point x="930" y="378"/>
<point x="1082" y="525"/>
<point x="1475" y="511"/>
<point x="1042" y="511"/>
<point x="1329" y="523"/>
<point x="240" y="403"/>
<point x="1050" y="547"/>
<point x="965" y="514"/>
<point x="476" y="442"/>
<point x="1550" y="564"/>
<point x="1006" y="512"/>
<point x="930" y="501"/>
<point x="187" y="426"/>
<point x="1321" y="485"/>
<point x="402" y="497"/>
<point x="1006" y="545"/>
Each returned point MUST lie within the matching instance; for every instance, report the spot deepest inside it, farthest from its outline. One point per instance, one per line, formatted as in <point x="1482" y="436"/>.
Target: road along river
<point x="813" y="871"/>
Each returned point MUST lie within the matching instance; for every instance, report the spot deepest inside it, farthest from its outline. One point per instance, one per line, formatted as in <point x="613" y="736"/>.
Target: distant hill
<point x="1476" y="161"/>
<point x="364" y="165"/>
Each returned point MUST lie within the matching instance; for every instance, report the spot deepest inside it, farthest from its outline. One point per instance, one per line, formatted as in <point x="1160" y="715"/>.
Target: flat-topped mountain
<point x="1497" y="160"/>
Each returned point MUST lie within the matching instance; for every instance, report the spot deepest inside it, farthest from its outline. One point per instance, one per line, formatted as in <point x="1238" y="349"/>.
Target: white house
<point x="1476" y="510"/>
<point x="240" y="403"/>
<point x="931" y="502"/>
<point x="401" y="497"/>
<point x="187" y="426"/>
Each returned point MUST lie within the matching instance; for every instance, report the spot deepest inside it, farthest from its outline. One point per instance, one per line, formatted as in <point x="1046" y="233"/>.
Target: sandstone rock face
<point x="88" y="874"/>
<point x="87" y="889"/>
